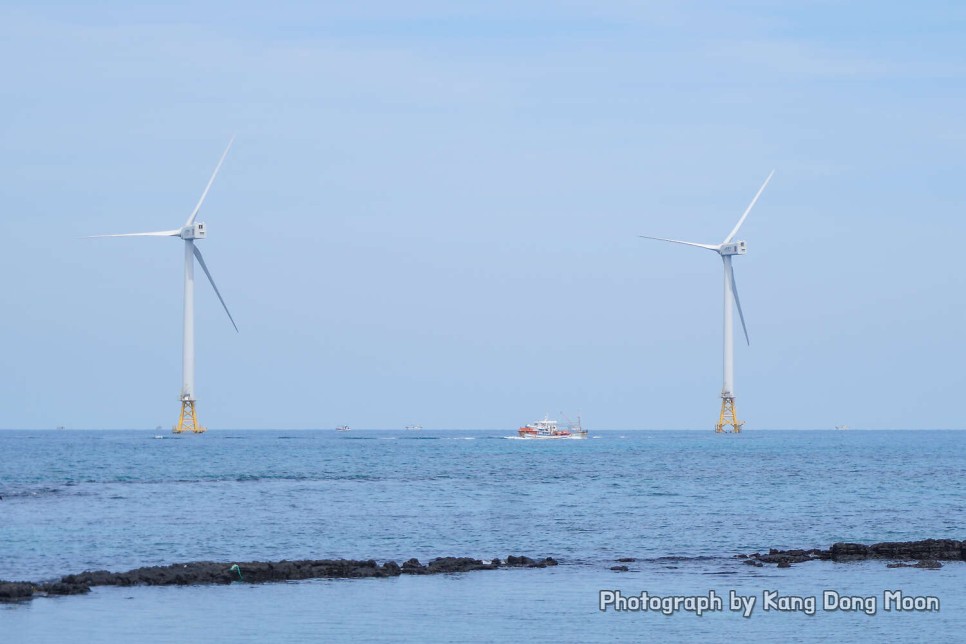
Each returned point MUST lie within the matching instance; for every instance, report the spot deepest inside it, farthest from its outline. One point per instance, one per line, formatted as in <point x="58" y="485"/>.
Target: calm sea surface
<point x="681" y="503"/>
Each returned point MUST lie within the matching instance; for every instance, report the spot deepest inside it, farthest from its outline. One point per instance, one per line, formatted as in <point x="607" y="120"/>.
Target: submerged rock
<point x="928" y="564"/>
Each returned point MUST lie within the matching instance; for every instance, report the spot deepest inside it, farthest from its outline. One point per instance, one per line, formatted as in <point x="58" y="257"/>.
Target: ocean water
<point x="681" y="503"/>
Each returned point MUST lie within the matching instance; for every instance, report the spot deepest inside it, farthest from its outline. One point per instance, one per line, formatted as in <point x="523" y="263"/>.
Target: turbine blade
<point x="686" y="243"/>
<point x="160" y="233"/>
<point x="214" y="174"/>
<point x="734" y="232"/>
<point x="734" y="291"/>
<point x="204" y="267"/>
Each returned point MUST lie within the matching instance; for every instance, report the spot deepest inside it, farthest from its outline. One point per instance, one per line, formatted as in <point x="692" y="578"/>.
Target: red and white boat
<point x="548" y="429"/>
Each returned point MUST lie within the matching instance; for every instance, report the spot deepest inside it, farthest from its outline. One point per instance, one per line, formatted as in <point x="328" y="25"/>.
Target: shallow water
<point x="682" y="503"/>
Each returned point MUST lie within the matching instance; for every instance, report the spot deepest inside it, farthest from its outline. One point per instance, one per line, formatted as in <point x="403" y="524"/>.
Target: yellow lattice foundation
<point x="188" y="419"/>
<point x="728" y="417"/>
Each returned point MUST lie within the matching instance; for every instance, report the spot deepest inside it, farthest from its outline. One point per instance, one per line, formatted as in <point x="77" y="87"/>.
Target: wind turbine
<point x="189" y="232"/>
<point x="727" y="249"/>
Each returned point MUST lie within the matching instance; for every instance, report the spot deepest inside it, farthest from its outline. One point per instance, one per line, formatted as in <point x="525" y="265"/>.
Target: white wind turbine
<point x="726" y="250"/>
<point x="189" y="233"/>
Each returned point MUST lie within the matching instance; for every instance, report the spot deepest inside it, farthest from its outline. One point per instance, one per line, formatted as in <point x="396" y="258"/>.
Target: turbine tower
<point x="728" y="249"/>
<point x="191" y="231"/>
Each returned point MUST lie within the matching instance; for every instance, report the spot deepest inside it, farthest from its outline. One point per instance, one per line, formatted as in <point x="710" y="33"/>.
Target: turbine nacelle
<point x="193" y="231"/>
<point x="734" y="248"/>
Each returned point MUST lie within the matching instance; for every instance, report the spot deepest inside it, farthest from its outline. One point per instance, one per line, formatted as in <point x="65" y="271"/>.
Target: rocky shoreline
<point x="254" y="572"/>
<point x="928" y="554"/>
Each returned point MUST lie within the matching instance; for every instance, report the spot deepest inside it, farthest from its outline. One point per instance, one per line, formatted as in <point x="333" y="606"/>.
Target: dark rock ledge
<point x="928" y="553"/>
<point x="254" y="572"/>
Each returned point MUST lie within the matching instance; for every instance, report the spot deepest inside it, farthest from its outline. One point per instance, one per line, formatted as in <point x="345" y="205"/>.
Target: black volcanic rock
<point x="849" y="551"/>
<point x="518" y="561"/>
<point x="11" y="591"/>
<point x="456" y="564"/>
<point x="785" y="557"/>
<point x="938" y="549"/>
<point x="412" y="563"/>
<point x="253" y="572"/>
<point x="929" y="552"/>
<point x="527" y="562"/>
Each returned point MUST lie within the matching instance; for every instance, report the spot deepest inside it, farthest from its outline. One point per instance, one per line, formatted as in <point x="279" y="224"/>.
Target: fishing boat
<point x="342" y="428"/>
<point x="549" y="429"/>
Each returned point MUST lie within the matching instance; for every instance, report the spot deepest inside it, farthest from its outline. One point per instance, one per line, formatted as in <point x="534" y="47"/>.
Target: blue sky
<point x="431" y="211"/>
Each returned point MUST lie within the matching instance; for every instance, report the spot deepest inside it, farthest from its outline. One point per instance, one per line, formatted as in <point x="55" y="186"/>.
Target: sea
<point x="682" y="504"/>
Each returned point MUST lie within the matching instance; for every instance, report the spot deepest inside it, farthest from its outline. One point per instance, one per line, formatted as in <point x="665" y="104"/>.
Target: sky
<point x="431" y="212"/>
